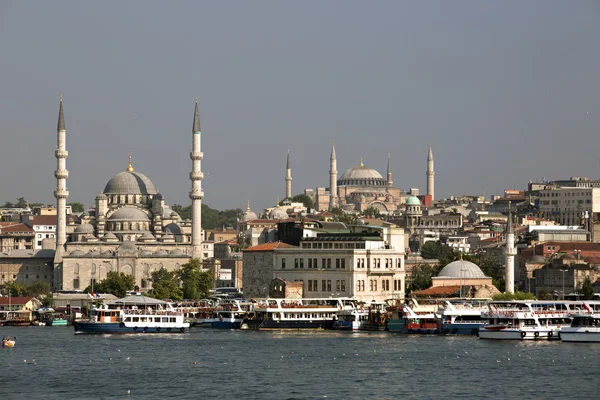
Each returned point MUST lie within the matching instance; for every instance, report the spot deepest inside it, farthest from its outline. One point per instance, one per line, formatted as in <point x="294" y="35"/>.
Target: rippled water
<point x="53" y="363"/>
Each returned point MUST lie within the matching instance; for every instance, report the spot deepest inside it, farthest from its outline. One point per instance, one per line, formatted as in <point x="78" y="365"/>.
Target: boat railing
<point x="150" y="312"/>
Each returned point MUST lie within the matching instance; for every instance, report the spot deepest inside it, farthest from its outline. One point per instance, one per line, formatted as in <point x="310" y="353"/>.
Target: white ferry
<point x="415" y="316"/>
<point x="363" y="317"/>
<point x="462" y="316"/>
<point x="527" y="320"/>
<point x="230" y="314"/>
<point x="315" y="313"/>
<point x="585" y="327"/>
<point x="133" y="314"/>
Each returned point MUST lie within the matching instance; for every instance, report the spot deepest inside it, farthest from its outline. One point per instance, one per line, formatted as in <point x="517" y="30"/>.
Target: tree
<point x="195" y="282"/>
<point x="21" y="203"/>
<point x="116" y="283"/>
<point x="372" y="212"/>
<point x="165" y="286"/>
<point x="304" y="199"/>
<point x="77" y="207"/>
<point x="438" y="251"/>
<point x="587" y="289"/>
<point x="38" y="289"/>
<point x="421" y="275"/>
<point x="211" y="218"/>
<point x="544" y="294"/>
<point x="8" y="204"/>
<point x="15" y="289"/>
<point x="515" y="296"/>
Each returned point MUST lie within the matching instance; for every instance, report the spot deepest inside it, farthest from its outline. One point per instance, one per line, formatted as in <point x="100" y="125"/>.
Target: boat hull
<point x="236" y="324"/>
<point x="276" y="325"/>
<point x="114" y="327"/>
<point x="462" y="329"/>
<point x="516" y="334"/>
<point x="588" y="335"/>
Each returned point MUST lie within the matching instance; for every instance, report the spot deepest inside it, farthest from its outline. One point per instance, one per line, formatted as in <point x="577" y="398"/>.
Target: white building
<point x="567" y="205"/>
<point x="44" y="227"/>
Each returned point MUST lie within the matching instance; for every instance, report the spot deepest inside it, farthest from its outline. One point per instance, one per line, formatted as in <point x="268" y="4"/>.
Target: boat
<point x="133" y="314"/>
<point x="204" y="316"/>
<point x="415" y="317"/>
<point x="461" y="316"/>
<point x="49" y="317"/>
<point x="16" y="318"/>
<point x="363" y="317"/>
<point x="585" y="326"/>
<point x="305" y="313"/>
<point x="230" y="314"/>
<point x="527" y="320"/>
<point x="8" y="342"/>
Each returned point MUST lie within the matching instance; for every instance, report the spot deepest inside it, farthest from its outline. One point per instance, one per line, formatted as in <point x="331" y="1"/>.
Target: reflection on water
<point x="53" y="363"/>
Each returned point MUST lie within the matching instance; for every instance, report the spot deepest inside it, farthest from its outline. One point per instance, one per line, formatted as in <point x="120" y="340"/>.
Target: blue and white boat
<point x="462" y="316"/>
<point x="363" y="317"/>
<point x="230" y="314"/>
<point x="133" y="314"/>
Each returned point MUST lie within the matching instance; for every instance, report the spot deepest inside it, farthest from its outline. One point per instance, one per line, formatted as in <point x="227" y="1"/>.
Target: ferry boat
<point x="204" y="316"/>
<point x="309" y="313"/>
<point x="230" y="314"/>
<point x="462" y="316"/>
<point x="49" y="317"/>
<point x="133" y="314"/>
<point x="363" y="317"/>
<point x="527" y="320"/>
<point x="585" y="326"/>
<point x="414" y="317"/>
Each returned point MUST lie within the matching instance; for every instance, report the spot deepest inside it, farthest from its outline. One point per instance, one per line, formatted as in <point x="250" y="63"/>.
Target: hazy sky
<point x="506" y="92"/>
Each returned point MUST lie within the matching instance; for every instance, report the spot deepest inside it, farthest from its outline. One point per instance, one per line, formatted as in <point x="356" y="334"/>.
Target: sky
<point x="505" y="91"/>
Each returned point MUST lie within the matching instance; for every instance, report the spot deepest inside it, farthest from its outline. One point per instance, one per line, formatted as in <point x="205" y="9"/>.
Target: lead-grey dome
<point x="461" y="269"/>
<point x="129" y="214"/>
<point x="361" y="176"/>
<point x="84" y="228"/>
<point x="130" y="182"/>
<point x="173" y="228"/>
<point x="537" y="259"/>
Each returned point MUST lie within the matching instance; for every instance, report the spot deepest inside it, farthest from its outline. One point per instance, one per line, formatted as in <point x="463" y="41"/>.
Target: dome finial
<point x="361" y="162"/>
<point x="248" y="207"/>
<point x="130" y="167"/>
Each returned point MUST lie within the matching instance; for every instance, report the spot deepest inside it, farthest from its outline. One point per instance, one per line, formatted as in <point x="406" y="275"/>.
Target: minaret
<point x="390" y="182"/>
<point x="196" y="194"/>
<point x="61" y="192"/>
<point x="511" y="251"/>
<point x="430" y="174"/>
<point x="288" y="178"/>
<point x="332" y="179"/>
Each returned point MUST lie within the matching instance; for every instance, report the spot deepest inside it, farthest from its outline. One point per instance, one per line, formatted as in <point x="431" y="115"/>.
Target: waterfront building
<point x="15" y="236"/>
<point x="570" y="205"/>
<point x="26" y="266"/>
<point x="131" y="230"/>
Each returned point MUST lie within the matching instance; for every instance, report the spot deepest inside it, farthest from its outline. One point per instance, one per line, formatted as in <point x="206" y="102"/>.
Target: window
<point x="310" y="263"/>
<point x="314" y="263"/>
<point x="323" y="262"/>
<point x="283" y="263"/>
<point x="337" y="285"/>
<point x="323" y="285"/>
<point x="343" y="262"/>
<point x="296" y="262"/>
<point x="76" y="283"/>
<point x="302" y="263"/>
<point x="310" y="287"/>
<point x="329" y="285"/>
<point x="343" y="285"/>
<point x="337" y="263"/>
<point x="315" y="285"/>
<point x="329" y="263"/>
<point x="144" y="284"/>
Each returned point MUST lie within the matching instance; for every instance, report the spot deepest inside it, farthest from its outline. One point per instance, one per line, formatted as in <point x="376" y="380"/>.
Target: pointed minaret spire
<point x="61" y="192"/>
<point x="196" y="195"/>
<point x="389" y="172"/>
<point x="61" y="117"/>
<point x="288" y="178"/>
<point x="430" y="174"/>
<point x="333" y="194"/>
<point x="196" y="127"/>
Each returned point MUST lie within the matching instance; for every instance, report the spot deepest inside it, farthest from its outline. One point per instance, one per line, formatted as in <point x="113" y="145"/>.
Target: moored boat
<point x="363" y="317"/>
<point x="462" y="316"/>
<point x="414" y="317"/>
<point x="230" y="314"/>
<point x="584" y="328"/>
<point x="133" y="314"/>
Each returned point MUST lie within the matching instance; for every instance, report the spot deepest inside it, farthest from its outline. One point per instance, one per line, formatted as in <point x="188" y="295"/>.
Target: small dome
<point x="129" y="214"/>
<point x="461" y="269"/>
<point x="84" y="228"/>
<point x="173" y="228"/>
<point x="107" y="253"/>
<point x="130" y="182"/>
<point x="177" y="252"/>
<point x="110" y="236"/>
<point x="160" y="252"/>
<point x="567" y="257"/>
<point x="249" y="215"/>
<point x="537" y="259"/>
<point x="77" y="253"/>
<point x="127" y="246"/>
<point x="145" y="253"/>
<point x="147" y="236"/>
<point x="168" y="213"/>
<point x="413" y="201"/>
<point x="278" y="213"/>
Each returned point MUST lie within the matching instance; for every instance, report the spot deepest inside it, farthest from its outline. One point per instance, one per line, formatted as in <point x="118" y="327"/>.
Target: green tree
<point x="304" y="199"/>
<point x="438" y="251"/>
<point x="211" y="218"/>
<point x="15" y="289"/>
<point x="21" y="202"/>
<point x="8" y="204"/>
<point x="420" y="277"/>
<point x="47" y="301"/>
<point x="195" y="282"/>
<point x="38" y="289"/>
<point x="515" y="296"/>
<point x="587" y="290"/>
<point x="116" y="283"/>
<point x="77" y="207"/>
<point x="165" y="285"/>
<point x="544" y="294"/>
<point x="372" y="212"/>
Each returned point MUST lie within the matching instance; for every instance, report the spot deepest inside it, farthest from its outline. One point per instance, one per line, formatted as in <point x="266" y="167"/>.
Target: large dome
<point x="129" y="214"/>
<point x="461" y="269"/>
<point x="361" y="176"/>
<point x="130" y="182"/>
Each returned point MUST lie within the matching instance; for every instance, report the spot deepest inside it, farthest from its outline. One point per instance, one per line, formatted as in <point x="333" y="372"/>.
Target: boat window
<point x="136" y="319"/>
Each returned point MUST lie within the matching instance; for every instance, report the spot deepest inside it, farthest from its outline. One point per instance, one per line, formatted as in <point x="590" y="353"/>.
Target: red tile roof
<point x="438" y="291"/>
<point x="269" y="246"/>
<point x="44" y="219"/>
<point x="16" y="228"/>
<point x="15" y="301"/>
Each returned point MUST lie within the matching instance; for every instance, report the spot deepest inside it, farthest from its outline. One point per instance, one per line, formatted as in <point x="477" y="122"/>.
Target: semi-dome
<point x="249" y="215"/>
<point x="173" y="228"/>
<point x="461" y="269"/>
<point x="77" y="252"/>
<point x="361" y="176"/>
<point x="177" y="252"/>
<point x="129" y="214"/>
<point x="537" y="259"/>
<point x="413" y="201"/>
<point x="84" y="228"/>
<point x="130" y="182"/>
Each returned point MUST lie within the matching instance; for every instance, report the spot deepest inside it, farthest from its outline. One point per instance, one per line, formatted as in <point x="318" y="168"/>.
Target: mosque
<point x="361" y="187"/>
<point x="131" y="230"/>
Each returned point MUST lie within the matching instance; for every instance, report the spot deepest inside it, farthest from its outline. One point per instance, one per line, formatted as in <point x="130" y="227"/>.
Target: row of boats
<point x="569" y="321"/>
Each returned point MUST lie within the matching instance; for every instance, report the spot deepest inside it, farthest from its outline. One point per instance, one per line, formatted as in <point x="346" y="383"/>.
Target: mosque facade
<point x="361" y="187"/>
<point x="132" y="229"/>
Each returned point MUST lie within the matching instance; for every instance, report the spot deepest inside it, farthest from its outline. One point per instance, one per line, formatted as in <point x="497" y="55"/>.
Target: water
<point x="53" y="363"/>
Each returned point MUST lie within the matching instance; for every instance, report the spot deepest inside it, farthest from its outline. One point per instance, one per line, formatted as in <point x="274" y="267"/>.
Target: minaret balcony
<point x="61" y="193"/>
<point x="61" y="153"/>
<point x="197" y="195"/>
<point x="61" y="174"/>
<point x="196" y="155"/>
<point x="196" y="175"/>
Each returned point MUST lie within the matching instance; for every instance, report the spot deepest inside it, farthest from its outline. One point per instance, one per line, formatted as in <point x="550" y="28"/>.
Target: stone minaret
<point x="61" y="192"/>
<point x="390" y="182"/>
<point x="332" y="179"/>
<point x="288" y="178"/>
<point x="196" y="194"/>
<point x="430" y="174"/>
<point x="511" y="251"/>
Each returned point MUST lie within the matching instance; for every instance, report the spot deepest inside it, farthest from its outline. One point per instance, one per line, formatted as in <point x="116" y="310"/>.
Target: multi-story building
<point x="44" y="227"/>
<point x="15" y="236"/>
<point x="570" y="205"/>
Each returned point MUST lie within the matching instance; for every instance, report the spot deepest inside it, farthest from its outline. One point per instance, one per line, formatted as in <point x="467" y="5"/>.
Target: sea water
<point x="54" y="363"/>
